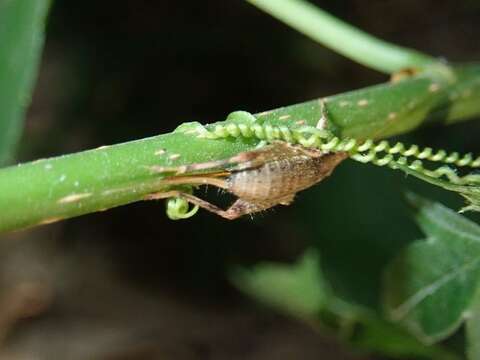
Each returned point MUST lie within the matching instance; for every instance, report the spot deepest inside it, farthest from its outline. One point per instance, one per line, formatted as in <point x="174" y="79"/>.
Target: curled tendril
<point x="417" y="166"/>
<point x="242" y="124"/>
<point x="178" y="208"/>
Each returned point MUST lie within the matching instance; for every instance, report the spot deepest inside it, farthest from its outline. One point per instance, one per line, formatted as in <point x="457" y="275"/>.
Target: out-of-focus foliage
<point x="473" y="329"/>
<point x="300" y="291"/>
<point x="431" y="285"/>
<point x="22" y="26"/>
<point x="429" y="289"/>
<point x="297" y="289"/>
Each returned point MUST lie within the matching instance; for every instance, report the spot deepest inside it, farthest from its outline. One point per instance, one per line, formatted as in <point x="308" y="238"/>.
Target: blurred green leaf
<point x="354" y="256"/>
<point x="301" y="291"/>
<point x="297" y="289"/>
<point x="473" y="329"/>
<point x="430" y="286"/>
<point x="22" y="24"/>
<point x="470" y="190"/>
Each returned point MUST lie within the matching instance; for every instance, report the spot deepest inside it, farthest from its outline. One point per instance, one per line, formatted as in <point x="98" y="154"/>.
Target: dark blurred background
<point x="131" y="284"/>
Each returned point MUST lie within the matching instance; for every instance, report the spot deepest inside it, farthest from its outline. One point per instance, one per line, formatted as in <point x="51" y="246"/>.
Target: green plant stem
<point x="48" y="190"/>
<point x="342" y="37"/>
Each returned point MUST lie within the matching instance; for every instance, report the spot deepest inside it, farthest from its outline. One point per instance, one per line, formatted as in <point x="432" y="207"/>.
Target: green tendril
<point x="178" y="209"/>
<point x="241" y="124"/>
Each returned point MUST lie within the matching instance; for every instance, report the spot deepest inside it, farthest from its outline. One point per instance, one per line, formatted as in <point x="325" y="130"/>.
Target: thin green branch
<point x="342" y="37"/>
<point x="49" y="190"/>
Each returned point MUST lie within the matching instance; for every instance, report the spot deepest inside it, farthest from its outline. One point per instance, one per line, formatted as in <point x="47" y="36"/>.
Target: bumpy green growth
<point x="399" y="156"/>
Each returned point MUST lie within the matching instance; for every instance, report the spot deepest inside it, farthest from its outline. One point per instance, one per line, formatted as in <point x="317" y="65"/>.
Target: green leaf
<point x="301" y="291"/>
<point x="430" y="286"/>
<point x="470" y="191"/>
<point x="22" y="24"/>
<point x="473" y="199"/>
<point x="353" y="257"/>
<point x="295" y="289"/>
<point x="473" y="330"/>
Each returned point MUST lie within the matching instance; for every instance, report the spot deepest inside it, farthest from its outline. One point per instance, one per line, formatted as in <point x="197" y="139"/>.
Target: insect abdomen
<point x="279" y="178"/>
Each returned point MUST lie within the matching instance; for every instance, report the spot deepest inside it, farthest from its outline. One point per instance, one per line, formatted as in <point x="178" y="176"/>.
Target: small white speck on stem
<point x="362" y="102"/>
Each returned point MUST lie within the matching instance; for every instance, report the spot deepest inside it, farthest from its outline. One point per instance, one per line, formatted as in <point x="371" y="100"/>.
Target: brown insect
<point x="261" y="178"/>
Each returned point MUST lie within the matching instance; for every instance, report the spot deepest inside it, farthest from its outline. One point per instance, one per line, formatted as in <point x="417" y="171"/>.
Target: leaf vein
<point x="402" y="310"/>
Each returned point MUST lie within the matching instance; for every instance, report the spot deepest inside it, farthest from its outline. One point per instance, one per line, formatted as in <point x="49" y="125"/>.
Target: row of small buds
<point x="372" y="157"/>
<point x="324" y="140"/>
<point x="417" y="165"/>
<point x="427" y="153"/>
<point x="471" y="179"/>
<point x="267" y="132"/>
<point x="442" y="171"/>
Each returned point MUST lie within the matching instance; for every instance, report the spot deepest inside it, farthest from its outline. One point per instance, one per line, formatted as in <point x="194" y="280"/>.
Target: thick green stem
<point x="47" y="190"/>
<point x="342" y="37"/>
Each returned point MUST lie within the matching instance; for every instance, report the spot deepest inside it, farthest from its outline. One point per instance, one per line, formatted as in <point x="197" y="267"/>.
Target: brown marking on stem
<point x="434" y="87"/>
<point x="115" y="191"/>
<point x="160" y="152"/>
<point x="284" y="117"/>
<point x="322" y="123"/>
<point x="50" y="220"/>
<point x="157" y="169"/>
<point x="191" y="132"/>
<point x="362" y="102"/>
<point x="403" y="74"/>
<point x="74" y="198"/>
<point x="265" y="113"/>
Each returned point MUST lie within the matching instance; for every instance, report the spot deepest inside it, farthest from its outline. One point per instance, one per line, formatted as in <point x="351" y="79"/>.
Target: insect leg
<point x="287" y="200"/>
<point x="244" y="207"/>
<point x="195" y="201"/>
<point x="214" y="179"/>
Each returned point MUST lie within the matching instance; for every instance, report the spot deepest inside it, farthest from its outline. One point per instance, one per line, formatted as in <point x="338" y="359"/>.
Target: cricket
<point x="260" y="179"/>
